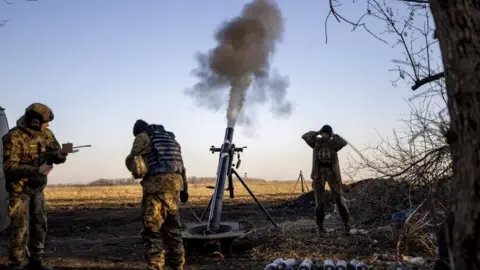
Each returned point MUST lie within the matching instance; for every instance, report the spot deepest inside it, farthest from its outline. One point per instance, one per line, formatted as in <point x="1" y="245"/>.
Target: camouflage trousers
<point x="161" y="231"/>
<point x="318" y="185"/>
<point x="28" y="227"/>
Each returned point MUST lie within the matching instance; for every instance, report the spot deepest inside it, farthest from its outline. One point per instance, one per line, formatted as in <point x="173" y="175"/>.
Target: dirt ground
<point x="108" y="237"/>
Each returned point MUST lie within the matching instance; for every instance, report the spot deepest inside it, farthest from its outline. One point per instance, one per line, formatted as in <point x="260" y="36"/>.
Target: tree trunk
<point x="458" y="32"/>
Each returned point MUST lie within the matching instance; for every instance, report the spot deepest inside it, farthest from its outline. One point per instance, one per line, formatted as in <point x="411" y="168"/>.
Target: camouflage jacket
<point x="337" y="143"/>
<point x="21" y="147"/>
<point x="142" y="147"/>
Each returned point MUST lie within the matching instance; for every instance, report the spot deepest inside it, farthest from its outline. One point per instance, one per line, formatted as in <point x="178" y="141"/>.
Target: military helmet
<point x="139" y="127"/>
<point x="40" y="111"/>
<point x="328" y="129"/>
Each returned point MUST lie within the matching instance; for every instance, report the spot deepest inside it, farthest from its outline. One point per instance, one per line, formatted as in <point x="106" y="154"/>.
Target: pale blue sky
<point x="100" y="65"/>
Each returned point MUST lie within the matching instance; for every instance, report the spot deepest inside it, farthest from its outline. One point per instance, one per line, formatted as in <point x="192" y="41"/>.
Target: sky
<point x="101" y="65"/>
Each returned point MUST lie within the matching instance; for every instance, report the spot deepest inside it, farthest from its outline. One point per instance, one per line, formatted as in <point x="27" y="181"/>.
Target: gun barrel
<point x="218" y="193"/>
<point x="82" y="146"/>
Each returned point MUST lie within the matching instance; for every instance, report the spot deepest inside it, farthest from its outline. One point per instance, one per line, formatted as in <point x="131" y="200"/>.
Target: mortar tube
<point x="218" y="193"/>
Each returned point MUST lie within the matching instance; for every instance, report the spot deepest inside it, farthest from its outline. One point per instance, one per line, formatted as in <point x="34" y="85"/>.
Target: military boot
<point x="321" y="230"/>
<point x="346" y="228"/>
<point x="319" y="218"/>
<point x="37" y="265"/>
<point x="156" y="262"/>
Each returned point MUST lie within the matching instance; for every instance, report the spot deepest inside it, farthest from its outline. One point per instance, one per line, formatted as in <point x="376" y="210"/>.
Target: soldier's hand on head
<point x="184" y="196"/>
<point x="45" y="169"/>
<point x="311" y="133"/>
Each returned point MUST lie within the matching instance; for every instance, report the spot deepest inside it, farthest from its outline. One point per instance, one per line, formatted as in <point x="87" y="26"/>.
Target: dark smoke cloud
<point x="241" y="62"/>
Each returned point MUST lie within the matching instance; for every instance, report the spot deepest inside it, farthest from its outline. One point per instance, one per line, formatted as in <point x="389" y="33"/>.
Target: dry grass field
<point x="98" y="227"/>
<point x="114" y="196"/>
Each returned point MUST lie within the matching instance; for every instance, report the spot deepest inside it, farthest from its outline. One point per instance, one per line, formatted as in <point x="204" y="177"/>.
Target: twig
<point x="340" y="18"/>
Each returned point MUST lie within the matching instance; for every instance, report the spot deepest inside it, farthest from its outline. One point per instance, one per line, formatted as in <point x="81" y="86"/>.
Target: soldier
<point x="326" y="169"/>
<point x="164" y="184"/>
<point x="25" y="167"/>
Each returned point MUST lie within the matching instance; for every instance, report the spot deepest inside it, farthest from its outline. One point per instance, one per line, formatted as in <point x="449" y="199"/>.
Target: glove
<point x="60" y="157"/>
<point x="37" y="181"/>
<point x="54" y="156"/>
<point x="184" y="196"/>
<point x="40" y="179"/>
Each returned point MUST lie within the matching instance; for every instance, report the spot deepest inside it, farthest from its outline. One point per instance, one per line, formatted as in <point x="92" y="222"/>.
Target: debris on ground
<point x="382" y="207"/>
<point x="370" y="201"/>
<point x="419" y="261"/>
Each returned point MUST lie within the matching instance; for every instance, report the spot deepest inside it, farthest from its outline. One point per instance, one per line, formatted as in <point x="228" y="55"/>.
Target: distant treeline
<point x="131" y="181"/>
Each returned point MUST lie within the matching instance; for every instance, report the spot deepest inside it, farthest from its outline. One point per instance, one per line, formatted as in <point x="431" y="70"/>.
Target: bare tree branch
<point x="405" y="29"/>
<point x="340" y="18"/>
<point x="429" y="79"/>
<point x="416" y="1"/>
<point x="3" y="22"/>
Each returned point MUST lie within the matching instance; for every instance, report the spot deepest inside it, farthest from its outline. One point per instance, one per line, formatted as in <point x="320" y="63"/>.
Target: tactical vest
<point x="34" y="146"/>
<point x="165" y="155"/>
<point x="324" y="154"/>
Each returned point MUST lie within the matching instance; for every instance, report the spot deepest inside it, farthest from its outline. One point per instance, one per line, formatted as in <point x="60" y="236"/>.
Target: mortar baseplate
<point x="228" y="230"/>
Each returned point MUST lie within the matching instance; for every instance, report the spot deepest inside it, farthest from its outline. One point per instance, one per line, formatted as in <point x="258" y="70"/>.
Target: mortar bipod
<point x="230" y="187"/>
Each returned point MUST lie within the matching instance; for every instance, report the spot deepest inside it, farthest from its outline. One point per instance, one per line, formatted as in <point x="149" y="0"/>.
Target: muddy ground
<point x="108" y="238"/>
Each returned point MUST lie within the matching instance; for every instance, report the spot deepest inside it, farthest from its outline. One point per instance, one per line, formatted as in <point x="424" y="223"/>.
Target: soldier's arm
<point x="12" y="166"/>
<point x="310" y="138"/>
<point x="55" y="146"/>
<point x="184" y="171"/>
<point x="185" y="183"/>
<point x="338" y="142"/>
<point x="141" y="146"/>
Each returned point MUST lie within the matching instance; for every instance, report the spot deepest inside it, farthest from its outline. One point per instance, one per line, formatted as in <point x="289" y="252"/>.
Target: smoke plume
<point x="241" y="62"/>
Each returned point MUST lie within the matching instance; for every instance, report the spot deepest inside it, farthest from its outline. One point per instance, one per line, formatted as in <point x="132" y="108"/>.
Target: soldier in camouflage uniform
<point x="164" y="185"/>
<point x="24" y="164"/>
<point x="326" y="169"/>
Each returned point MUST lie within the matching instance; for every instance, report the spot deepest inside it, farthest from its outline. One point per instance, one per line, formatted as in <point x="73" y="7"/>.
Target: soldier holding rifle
<point x="29" y="152"/>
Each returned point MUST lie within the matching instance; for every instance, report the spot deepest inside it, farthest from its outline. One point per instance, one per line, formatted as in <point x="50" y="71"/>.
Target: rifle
<point x="54" y="155"/>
